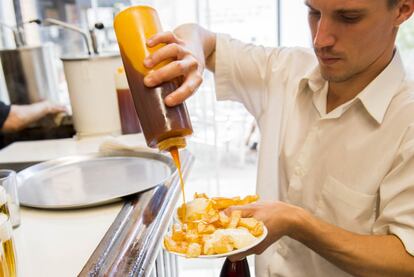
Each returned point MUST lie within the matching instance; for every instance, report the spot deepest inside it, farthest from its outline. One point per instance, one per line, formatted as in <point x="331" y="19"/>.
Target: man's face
<point x="351" y="37"/>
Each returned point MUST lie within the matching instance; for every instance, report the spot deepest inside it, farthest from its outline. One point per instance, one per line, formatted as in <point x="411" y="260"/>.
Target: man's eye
<point x="350" y="19"/>
<point x="314" y="13"/>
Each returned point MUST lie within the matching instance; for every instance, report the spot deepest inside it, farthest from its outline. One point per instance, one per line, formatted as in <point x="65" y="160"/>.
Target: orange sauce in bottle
<point x="164" y="127"/>
<point x="176" y="157"/>
<point x="133" y="27"/>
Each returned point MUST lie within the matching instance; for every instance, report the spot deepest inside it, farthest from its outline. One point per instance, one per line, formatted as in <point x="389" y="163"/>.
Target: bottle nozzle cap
<point x="166" y="144"/>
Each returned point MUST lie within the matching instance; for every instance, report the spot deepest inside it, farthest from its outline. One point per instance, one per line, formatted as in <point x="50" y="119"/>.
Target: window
<point x="405" y="43"/>
<point x="221" y="123"/>
<point x="294" y="30"/>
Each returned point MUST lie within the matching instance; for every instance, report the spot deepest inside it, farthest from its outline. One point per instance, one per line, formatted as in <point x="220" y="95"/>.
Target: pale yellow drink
<point x="7" y="244"/>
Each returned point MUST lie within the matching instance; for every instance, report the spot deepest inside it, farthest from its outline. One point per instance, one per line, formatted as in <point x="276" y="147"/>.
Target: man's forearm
<point x="200" y="41"/>
<point x="21" y="116"/>
<point x="361" y="255"/>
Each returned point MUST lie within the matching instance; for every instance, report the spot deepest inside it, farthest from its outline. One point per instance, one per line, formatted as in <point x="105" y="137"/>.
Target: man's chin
<point x="333" y="76"/>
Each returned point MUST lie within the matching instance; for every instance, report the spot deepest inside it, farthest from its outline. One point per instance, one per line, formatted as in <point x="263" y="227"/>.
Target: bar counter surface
<point x="64" y="242"/>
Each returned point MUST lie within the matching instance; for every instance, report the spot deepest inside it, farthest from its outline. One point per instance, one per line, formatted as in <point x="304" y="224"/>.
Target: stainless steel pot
<point x="30" y="74"/>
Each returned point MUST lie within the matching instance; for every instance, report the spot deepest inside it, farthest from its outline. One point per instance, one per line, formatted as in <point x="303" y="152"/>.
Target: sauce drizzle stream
<point x="176" y="157"/>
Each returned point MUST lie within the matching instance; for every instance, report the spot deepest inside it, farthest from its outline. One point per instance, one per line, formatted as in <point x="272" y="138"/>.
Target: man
<point x="337" y="136"/>
<point x="14" y="118"/>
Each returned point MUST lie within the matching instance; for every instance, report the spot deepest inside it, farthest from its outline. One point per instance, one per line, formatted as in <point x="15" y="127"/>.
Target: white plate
<point x="231" y="253"/>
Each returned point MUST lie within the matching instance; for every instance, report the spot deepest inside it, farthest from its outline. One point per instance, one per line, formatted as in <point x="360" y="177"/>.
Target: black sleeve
<point x="4" y="113"/>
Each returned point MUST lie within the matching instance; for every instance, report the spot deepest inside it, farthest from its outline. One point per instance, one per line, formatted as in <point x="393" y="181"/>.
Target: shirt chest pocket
<point x="346" y="208"/>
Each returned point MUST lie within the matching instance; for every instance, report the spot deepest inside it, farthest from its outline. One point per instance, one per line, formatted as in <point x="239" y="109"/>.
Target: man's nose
<point x="324" y="36"/>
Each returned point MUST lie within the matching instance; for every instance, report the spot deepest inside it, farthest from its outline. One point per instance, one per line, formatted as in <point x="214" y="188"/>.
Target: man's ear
<point x="404" y="10"/>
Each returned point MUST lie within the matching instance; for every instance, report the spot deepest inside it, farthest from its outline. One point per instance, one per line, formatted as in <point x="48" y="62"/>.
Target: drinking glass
<point x="9" y="182"/>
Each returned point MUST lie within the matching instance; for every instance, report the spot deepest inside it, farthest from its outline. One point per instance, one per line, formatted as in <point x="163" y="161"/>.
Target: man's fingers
<point x="246" y="210"/>
<point x="189" y="86"/>
<point x="257" y="250"/>
<point x="240" y="256"/>
<point x="162" y="37"/>
<point x="171" y="51"/>
<point x="170" y="71"/>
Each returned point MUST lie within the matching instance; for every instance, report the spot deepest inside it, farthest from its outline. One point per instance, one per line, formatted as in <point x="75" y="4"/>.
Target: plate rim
<point x="66" y="160"/>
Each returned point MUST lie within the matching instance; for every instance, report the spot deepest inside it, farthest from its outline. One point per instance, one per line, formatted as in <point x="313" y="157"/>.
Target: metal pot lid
<point x="90" y="180"/>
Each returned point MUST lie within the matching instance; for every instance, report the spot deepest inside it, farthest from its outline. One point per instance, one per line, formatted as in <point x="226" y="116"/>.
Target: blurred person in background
<point x="14" y="118"/>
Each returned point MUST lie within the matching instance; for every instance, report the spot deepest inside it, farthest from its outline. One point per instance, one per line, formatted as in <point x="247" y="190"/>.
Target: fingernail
<point x="149" y="42"/>
<point x="149" y="80"/>
<point x="169" y="100"/>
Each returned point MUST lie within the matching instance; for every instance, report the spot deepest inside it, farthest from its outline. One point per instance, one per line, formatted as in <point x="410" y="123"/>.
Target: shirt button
<point x="299" y="171"/>
<point x="280" y="249"/>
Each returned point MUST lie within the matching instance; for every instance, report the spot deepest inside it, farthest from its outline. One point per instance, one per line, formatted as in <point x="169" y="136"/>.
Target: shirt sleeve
<point x="396" y="208"/>
<point x="248" y="73"/>
<point x="4" y="113"/>
<point x="241" y="72"/>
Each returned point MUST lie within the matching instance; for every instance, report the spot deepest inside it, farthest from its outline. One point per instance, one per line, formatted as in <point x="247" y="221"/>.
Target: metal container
<point x="30" y="74"/>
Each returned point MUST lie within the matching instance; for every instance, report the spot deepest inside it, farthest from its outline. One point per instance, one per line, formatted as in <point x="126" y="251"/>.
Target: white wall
<point x="294" y="24"/>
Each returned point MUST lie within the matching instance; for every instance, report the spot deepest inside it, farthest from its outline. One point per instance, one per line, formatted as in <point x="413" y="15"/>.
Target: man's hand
<point x="21" y="116"/>
<point x="362" y="255"/>
<point x="185" y="65"/>
<point x="52" y="108"/>
<point x="278" y="217"/>
<point x="190" y="47"/>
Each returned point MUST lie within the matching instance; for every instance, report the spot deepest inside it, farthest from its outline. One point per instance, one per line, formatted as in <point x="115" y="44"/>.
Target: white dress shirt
<point x="352" y="167"/>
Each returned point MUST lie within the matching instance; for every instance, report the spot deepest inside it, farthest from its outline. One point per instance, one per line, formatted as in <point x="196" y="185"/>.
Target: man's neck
<point x="341" y="92"/>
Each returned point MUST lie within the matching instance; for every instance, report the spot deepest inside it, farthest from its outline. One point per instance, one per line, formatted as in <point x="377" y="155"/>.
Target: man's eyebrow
<point x="342" y="11"/>
<point x="309" y="5"/>
<point x="353" y="11"/>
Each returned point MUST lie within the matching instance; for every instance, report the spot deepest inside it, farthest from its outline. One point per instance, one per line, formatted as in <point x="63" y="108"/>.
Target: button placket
<point x="281" y="249"/>
<point x="302" y="165"/>
<point x="302" y="162"/>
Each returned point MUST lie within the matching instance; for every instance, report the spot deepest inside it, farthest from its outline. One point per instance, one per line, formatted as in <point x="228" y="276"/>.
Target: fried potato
<point x="221" y="203"/>
<point x="193" y="250"/>
<point x="258" y="229"/>
<point x="203" y="228"/>
<point x="249" y="199"/>
<point x="236" y="199"/>
<point x="200" y="195"/>
<point x="178" y="234"/>
<point x="234" y="219"/>
<point x="170" y="244"/>
<point x="173" y="246"/>
<point x="224" y="219"/>
<point x="192" y="236"/>
<point x="221" y="245"/>
<point x="248" y="222"/>
<point x="203" y="221"/>
<point x="211" y="216"/>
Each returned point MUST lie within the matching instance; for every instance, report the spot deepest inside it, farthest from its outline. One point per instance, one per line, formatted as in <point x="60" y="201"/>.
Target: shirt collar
<point x="313" y="79"/>
<point x="376" y="97"/>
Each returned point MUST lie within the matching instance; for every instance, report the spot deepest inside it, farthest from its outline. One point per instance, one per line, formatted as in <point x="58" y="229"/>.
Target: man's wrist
<point x="300" y="223"/>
